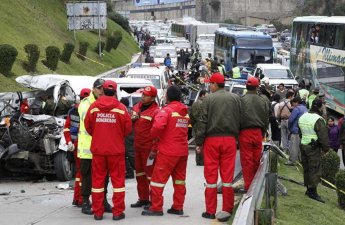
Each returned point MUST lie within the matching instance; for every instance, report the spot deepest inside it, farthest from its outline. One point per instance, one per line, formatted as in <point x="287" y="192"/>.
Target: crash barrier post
<point x="249" y="210"/>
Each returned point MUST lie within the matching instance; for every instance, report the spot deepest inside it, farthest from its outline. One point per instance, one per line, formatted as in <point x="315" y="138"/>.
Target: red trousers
<point x="77" y="184"/>
<point x="166" y="166"/>
<point x="143" y="174"/>
<point x="116" y="167"/>
<point x="250" y="141"/>
<point x="219" y="154"/>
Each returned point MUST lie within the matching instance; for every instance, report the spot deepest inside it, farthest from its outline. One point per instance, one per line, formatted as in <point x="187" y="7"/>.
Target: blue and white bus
<point x="242" y="47"/>
<point x="318" y="54"/>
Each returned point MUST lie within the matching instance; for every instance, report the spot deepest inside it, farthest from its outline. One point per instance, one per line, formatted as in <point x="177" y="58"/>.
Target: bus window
<point x="340" y="37"/>
<point x="217" y="40"/>
<point x="330" y="35"/>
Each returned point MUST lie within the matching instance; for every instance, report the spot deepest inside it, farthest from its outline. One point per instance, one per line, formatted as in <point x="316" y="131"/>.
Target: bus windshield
<point x="250" y="42"/>
<point x="251" y="56"/>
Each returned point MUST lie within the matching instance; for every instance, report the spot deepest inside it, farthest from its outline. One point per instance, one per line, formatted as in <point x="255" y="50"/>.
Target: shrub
<point x="8" y="55"/>
<point x="102" y="46"/>
<point x="120" y="20"/>
<point x="330" y="166"/>
<point x="340" y="183"/>
<point x="67" y="52"/>
<point x="33" y="54"/>
<point x="52" y="57"/>
<point x="83" y="49"/>
<point x="110" y="43"/>
<point x="118" y="38"/>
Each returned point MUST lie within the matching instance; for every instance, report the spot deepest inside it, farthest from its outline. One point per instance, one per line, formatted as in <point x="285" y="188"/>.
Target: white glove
<point x="70" y="146"/>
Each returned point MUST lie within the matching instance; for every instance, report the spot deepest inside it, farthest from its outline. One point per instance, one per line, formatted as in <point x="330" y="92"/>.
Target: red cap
<point x="216" y="78"/>
<point x="150" y="91"/>
<point x="85" y="92"/>
<point x="109" y="84"/>
<point x="253" y="81"/>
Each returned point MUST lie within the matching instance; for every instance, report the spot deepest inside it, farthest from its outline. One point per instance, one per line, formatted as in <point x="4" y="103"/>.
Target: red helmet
<point x="253" y="81"/>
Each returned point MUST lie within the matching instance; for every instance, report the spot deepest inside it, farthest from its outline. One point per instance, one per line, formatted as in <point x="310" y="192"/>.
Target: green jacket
<point x="255" y="111"/>
<point x="220" y="116"/>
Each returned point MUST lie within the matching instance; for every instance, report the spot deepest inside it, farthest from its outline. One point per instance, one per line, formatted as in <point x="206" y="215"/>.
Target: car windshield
<point x="154" y="79"/>
<point x="251" y="56"/>
<point x="278" y="73"/>
<point x="162" y="53"/>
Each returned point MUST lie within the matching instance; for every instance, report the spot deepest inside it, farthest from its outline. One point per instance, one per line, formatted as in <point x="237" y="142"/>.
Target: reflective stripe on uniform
<point x="118" y="111"/>
<point x="226" y="184"/>
<point x="117" y="190"/>
<point x="211" y="185"/>
<point x="176" y="114"/>
<point x="97" y="190"/>
<point x="94" y="110"/>
<point x="180" y="182"/>
<point x="146" y="118"/>
<point x="66" y="129"/>
<point x="155" y="184"/>
<point x="140" y="174"/>
<point x="77" y="179"/>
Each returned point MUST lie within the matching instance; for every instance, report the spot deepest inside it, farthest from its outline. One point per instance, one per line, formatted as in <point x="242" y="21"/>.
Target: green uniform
<point x="194" y="117"/>
<point x="314" y="139"/>
<point x="311" y="99"/>
<point x="236" y="73"/>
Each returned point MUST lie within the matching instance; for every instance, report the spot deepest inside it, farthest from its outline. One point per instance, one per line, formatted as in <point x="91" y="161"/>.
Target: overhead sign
<point x="89" y="15"/>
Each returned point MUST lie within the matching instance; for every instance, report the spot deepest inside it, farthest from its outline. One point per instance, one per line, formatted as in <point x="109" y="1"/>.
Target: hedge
<point x="83" y="49"/>
<point x="8" y="55"/>
<point x="340" y="183"/>
<point x="330" y="166"/>
<point x="52" y="57"/>
<point x="102" y="47"/>
<point x="67" y="52"/>
<point x="33" y="54"/>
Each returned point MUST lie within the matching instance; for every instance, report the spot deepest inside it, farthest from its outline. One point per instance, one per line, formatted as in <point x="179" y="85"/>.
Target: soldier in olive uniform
<point x="314" y="139"/>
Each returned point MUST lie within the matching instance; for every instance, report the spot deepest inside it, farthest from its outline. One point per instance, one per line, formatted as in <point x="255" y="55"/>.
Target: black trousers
<point x="86" y="178"/>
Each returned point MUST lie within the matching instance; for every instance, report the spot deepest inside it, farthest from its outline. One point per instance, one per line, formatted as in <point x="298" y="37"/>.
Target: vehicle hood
<point x="275" y="81"/>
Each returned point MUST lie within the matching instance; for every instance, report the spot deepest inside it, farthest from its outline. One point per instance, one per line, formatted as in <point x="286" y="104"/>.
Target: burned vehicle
<point x="33" y="143"/>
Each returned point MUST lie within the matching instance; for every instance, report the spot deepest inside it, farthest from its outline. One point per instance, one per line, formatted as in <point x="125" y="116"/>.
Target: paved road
<point x="42" y="203"/>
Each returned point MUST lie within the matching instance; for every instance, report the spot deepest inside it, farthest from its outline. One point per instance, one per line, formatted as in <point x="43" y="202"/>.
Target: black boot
<point x="107" y="207"/>
<point x="140" y="203"/>
<point x="152" y="213"/>
<point x="86" y="207"/>
<point x="208" y="215"/>
<point x="175" y="211"/>
<point x="314" y="195"/>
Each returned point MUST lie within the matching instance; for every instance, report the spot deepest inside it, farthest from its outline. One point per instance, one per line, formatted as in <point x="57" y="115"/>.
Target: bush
<point x="102" y="46"/>
<point x="118" y="38"/>
<point x="330" y="166"/>
<point x="67" y="52"/>
<point x="83" y="49"/>
<point x="110" y="43"/>
<point x="33" y="54"/>
<point x="340" y="183"/>
<point x="120" y="20"/>
<point x="230" y="21"/>
<point x="52" y="57"/>
<point x="8" y="55"/>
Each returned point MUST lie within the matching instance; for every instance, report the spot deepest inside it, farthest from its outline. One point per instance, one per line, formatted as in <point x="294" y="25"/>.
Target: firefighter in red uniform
<point x="108" y="122"/>
<point x="216" y="133"/>
<point x="24" y="106"/>
<point x="70" y="132"/>
<point x="255" y="111"/>
<point x="170" y="129"/>
<point x="143" y="115"/>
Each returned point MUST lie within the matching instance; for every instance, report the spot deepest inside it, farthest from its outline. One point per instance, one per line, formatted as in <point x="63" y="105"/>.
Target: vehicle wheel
<point x="63" y="167"/>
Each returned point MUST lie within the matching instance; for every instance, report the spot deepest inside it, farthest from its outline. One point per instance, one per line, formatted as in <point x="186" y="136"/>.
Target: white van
<point x="276" y="74"/>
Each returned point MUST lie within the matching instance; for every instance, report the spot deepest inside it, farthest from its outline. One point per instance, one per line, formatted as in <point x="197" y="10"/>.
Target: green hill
<point x="44" y="23"/>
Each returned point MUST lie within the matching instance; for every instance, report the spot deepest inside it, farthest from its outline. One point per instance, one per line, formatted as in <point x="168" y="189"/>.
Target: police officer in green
<point x="314" y="139"/>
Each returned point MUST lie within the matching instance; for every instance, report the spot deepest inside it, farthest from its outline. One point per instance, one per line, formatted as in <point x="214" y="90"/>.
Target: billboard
<point x="86" y="15"/>
<point x="157" y="2"/>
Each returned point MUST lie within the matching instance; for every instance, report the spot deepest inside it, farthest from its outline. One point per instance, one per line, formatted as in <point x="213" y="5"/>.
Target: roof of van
<point x="242" y="33"/>
<point x="271" y="66"/>
<point x="146" y="70"/>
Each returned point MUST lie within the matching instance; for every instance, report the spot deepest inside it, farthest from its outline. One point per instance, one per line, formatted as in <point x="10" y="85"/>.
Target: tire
<point x="63" y="167"/>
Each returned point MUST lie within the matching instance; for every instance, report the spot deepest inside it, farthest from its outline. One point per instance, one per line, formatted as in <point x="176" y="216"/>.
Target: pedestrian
<point x="333" y="134"/>
<point x="281" y="91"/>
<point x="196" y="56"/>
<point x="275" y="126"/>
<point x="314" y="140"/>
<point x="283" y="113"/>
<point x="216" y="133"/>
<point x="221" y="67"/>
<point x="143" y="116"/>
<point x="70" y="132"/>
<point x="122" y="74"/>
<point x="186" y="59"/>
<point x="303" y="92"/>
<point x="255" y="110"/>
<point x="341" y="126"/>
<point x="170" y="129"/>
<point x="298" y="110"/>
<point x="313" y="96"/>
<point x="84" y="152"/>
<point x="167" y="61"/>
<point x="108" y="122"/>
<point x="194" y="117"/>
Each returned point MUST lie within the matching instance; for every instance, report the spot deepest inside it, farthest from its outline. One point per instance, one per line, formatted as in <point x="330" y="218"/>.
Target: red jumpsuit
<point x="171" y="128"/>
<point x="143" y="146"/>
<point x="108" y="121"/>
<point x="70" y="132"/>
<point x="24" y="107"/>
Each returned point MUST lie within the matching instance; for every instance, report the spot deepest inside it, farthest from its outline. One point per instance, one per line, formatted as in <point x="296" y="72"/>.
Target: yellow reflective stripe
<point x="190" y="125"/>
<point x="146" y="118"/>
<point x="226" y="184"/>
<point x="118" y="111"/>
<point x="66" y="129"/>
<point x="94" y="110"/>
<point x="187" y="116"/>
<point x="116" y="190"/>
<point x="155" y="184"/>
<point x="180" y="182"/>
<point x="211" y="185"/>
<point x="175" y="114"/>
<point x="77" y="179"/>
<point x="97" y="190"/>
<point x="140" y="174"/>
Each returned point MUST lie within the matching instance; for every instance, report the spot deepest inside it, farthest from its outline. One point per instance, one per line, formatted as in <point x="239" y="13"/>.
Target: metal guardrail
<point x="253" y="198"/>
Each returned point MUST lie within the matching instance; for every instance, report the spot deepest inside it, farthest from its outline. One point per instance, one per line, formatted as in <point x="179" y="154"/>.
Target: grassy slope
<point x="43" y="22"/>
<point x="296" y="208"/>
